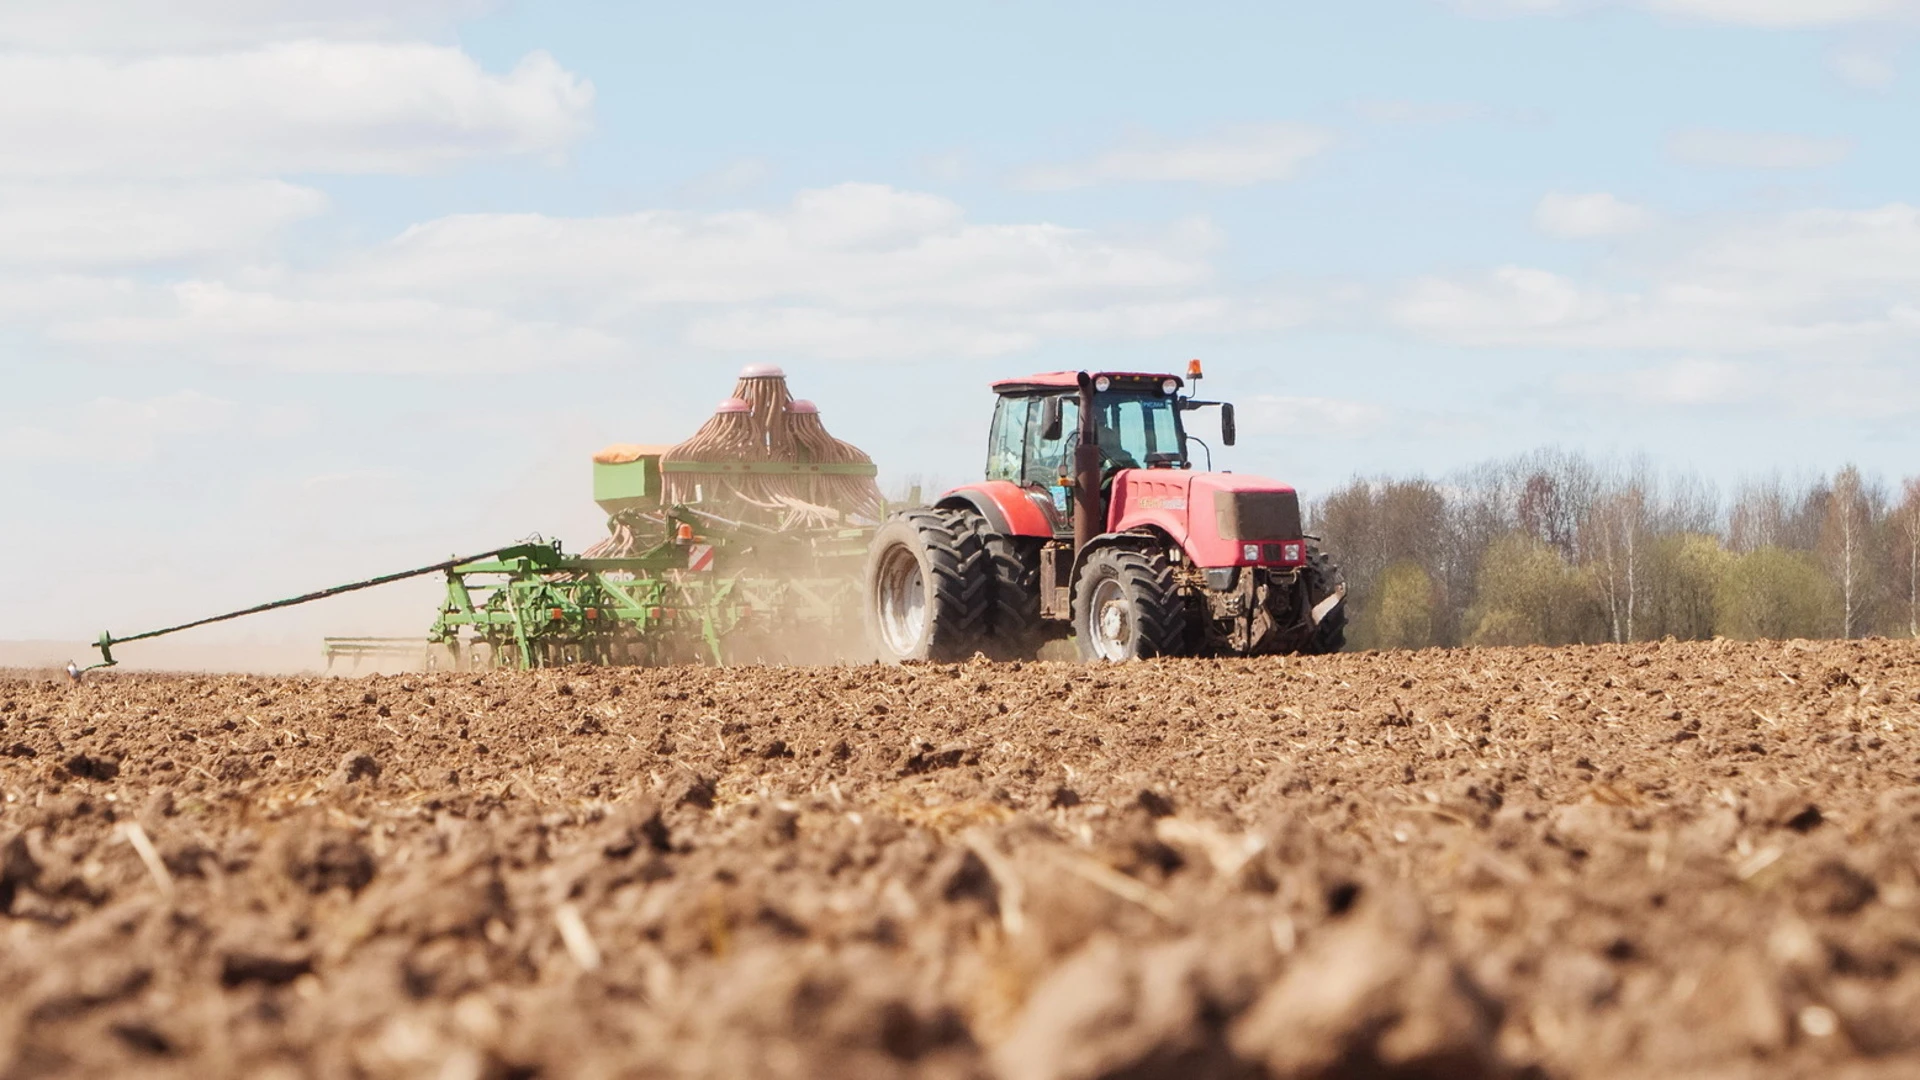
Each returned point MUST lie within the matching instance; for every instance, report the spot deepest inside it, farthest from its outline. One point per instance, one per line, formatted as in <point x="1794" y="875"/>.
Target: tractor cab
<point x="1137" y="424"/>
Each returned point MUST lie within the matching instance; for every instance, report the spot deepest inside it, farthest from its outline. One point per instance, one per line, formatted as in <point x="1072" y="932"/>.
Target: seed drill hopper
<point x="745" y="543"/>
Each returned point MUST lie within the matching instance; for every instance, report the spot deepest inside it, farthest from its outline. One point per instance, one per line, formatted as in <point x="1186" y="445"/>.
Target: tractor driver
<point x="1116" y="455"/>
<point x="1049" y="460"/>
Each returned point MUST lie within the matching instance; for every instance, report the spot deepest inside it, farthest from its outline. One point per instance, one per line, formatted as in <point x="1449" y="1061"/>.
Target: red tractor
<point x="1091" y="517"/>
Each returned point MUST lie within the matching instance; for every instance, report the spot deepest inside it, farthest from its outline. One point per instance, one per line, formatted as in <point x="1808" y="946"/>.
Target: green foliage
<point x="1773" y="593"/>
<point x="1527" y="594"/>
<point x="1683" y="575"/>
<point x="1374" y="526"/>
<point x="1403" y="614"/>
<point x="1550" y="548"/>
<point x="1503" y="627"/>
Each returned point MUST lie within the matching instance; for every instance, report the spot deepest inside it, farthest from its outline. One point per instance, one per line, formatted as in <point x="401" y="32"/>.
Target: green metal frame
<point x="532" y="605"/>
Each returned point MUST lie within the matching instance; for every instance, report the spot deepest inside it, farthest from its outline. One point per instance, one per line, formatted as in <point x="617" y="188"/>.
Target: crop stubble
<point x="1648" y="860"/>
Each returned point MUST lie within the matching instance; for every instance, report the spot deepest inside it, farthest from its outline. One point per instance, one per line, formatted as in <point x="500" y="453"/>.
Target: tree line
<point x="1553" y="548"/>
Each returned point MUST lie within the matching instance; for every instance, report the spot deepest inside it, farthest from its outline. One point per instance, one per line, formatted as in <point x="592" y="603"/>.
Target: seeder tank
<point x="743" y="543"/>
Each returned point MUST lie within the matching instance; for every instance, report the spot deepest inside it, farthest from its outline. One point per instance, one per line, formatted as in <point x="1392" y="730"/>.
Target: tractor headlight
<point x="1103" y="384"/>
<point x="1169" y="386"/>
<point x="1250" y="552"/>
<point x="1290" y="553"/>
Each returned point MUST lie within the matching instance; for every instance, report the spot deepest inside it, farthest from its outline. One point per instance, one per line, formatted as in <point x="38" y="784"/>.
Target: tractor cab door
<point x="1049" y="461"/>
<point x="1021" y="451"/>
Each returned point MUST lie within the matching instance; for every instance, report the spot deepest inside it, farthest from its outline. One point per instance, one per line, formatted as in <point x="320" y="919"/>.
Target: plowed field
<point x="1696" y="860"/>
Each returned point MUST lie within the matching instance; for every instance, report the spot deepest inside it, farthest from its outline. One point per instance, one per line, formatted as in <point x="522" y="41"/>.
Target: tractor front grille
<point x="1258" y="515"/>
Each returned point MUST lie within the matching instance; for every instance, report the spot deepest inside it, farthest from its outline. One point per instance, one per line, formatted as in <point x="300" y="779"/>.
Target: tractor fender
<point x="1143" y="539"/>
<point x="1008" y="508"/>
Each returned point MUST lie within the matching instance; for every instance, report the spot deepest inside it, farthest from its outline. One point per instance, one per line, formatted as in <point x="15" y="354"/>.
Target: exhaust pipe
<point x="1088" y="514"/>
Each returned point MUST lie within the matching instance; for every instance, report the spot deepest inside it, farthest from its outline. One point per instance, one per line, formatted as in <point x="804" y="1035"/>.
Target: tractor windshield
<point x="1133" y="427"/>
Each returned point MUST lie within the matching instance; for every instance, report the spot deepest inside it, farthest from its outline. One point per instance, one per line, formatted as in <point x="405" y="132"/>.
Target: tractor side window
<point x="1046" y="457"/>
<point x="1005" y="447"/>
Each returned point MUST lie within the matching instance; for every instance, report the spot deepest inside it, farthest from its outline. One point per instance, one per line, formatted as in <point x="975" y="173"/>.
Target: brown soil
<point x="1696" y="860"/>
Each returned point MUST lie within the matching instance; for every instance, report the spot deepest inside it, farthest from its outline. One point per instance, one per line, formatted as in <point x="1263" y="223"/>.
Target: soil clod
<point x="1549" y="863"/>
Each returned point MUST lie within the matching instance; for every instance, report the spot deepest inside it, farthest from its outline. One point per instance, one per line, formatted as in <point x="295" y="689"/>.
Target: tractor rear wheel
<point x="928" y="587"/>
<point x="1327" y="596"/>
<point x="1127" y="607"/>
<point x="1014" y="620"/>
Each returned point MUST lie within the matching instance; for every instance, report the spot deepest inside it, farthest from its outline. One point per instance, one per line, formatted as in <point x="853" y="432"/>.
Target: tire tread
<point x="1146" y="579"/>
<point x="961" y="592"/>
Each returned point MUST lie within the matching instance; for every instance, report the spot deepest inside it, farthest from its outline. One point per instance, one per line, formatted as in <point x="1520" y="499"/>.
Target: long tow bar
<point x="108" y="641"/>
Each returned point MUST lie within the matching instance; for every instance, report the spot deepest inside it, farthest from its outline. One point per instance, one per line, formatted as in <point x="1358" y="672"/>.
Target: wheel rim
<point x="902" y="599"/>
<point x="1111" y="624"/>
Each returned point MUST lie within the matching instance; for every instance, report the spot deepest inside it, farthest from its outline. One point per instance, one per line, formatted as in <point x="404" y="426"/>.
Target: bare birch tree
<point x="1759" y="516"/>
<point x="1906" y="531"/>
<point x="1615" y="535"/>
<point x="1845" y="539"/>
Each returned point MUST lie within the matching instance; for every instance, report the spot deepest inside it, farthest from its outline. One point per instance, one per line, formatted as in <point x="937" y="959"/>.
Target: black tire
<point x="1126" y="607"/>
<point x="1323" y="579"/>
<point x="928" y="587"/>
<point x="1014" y="626"/>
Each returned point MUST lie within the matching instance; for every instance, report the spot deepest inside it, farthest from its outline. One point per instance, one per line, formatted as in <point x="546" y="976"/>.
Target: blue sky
<point x="293" y="291"/>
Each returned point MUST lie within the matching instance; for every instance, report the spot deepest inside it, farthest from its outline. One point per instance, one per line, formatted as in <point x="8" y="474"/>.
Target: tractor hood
<point x="1220" y="519"/>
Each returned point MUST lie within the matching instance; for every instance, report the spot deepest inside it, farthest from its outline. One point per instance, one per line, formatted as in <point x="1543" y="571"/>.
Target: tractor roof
<point x="1067" y="380"/>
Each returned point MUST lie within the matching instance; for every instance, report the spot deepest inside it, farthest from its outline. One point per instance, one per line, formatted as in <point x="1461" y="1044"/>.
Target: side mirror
<point x="1227" y="430"/>
<point x="1050" y="418"/>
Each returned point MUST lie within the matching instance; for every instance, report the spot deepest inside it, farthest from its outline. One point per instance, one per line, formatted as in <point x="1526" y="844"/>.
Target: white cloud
<point x="1275" y="414"/>
<point x="1760" y="13"/>
<point x="1855" y="390"/>
<point x="1756" y="150"/>
<point x="840" y="335"/>
<point x="1693" y="381"/>
<point x="48" y="226"/>
<point x="852" y="336"/>
<point x="1236" y="158"/>
<point x="731" y="179"/>
<point x="42" y="297"/>
<point x="115" y="429"/>
<point x="852" y="246"/>
<point x="1499" y="307"/>
<point x="1417" y="113"/>
<point x="852" y="271"/>
<point x="214" y="322"/>
<point x="1820" y="255"/>
<point x="1153" y="319"/>
<point x="123" y="146"/>
<point x="1787" y="13"/>
<point x="145" y="26"/>
<point x="1690" y="381"/>
<point x="1865" y="68"/>
<point x="1502" y="8"/>
<point x="310" y="106"/>
<point x="1825" y="284"/>
<point x="1578" y="217"/>
<point x="946" y="167"/>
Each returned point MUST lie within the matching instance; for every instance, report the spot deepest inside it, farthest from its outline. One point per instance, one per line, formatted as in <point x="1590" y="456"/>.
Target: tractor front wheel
<point x="928" y="587"/>
<point x="1126" y="607"/>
